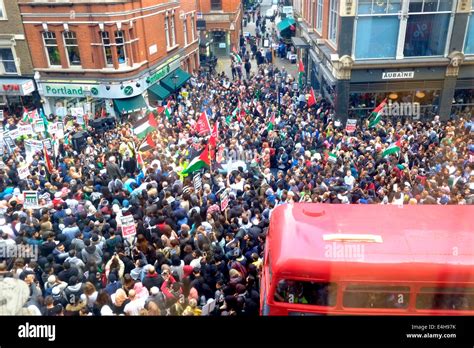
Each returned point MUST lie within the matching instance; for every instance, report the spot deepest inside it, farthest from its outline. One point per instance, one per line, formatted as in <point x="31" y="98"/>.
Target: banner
<point x="14" y="133"/>
<point x="128" y="226"/>
<point x="31" y="199"/>
<point x="197" y="181"/>
<point x="23" y="172"/>
<point x="351" y="125"/>
<point x="31" y="148"/>
<point x="224" y="199"/>
<point x="25" y="129"/>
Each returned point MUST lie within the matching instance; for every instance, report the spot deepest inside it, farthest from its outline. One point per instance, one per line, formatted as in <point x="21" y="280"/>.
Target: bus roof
<point x="426" y="243"/>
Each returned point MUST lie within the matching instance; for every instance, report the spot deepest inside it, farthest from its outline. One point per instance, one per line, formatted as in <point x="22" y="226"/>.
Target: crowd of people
<point x="188" y="256"/>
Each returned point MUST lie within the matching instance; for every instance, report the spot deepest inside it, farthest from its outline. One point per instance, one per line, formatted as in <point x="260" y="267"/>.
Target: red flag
<point x="151" y="120"/>
<point x="214" y="135"/>
<point x="160" y="109"/>
<point x="202" y="125"/>
<point x="312" y="98"/>
<point x="47" y="159"/>
<point x="300" y="66"/>
<point x="103" y="113"/>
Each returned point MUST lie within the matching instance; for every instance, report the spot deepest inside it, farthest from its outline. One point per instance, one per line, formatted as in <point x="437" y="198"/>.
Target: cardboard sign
<point x="47" y="143"/>
<point x="14" y="133"/>
<point x="224" y="200"/>
<point x="351" y="125"/>
<point x="128" y="226"/>
<point x="38" y="126"/>
<point x="31" y="148"/>
<point x="25" y="129"/>
<point x="23" y="172"/>
<point x="197" y="181"/>
<point x="31" y="199"/>
<point x="77" y="111"/>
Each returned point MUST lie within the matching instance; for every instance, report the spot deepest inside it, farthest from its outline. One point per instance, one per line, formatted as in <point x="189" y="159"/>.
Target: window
<point x="185" y="31"/>
<point x="7" y="61"/>
<point x="376" y="296"/>
<point x="319" y="16"/>
<point x="305" y="292"/>
<point x="72" y="49"/>
<point x="120" y="45"/>
<point x="3" y="14"/>
<point x="173" y="32"/>
<point x="469" y="43"/>
<point x="192" y="27"/>
<point x="378" y="6"/>
<point x="52" y="52"/>
<point x="445" y="298"/>
<point x="333" y="17"/>
<point x="216" y="5"/>
<point x="367" y="40"/>
<point x="430" y="5"/>
<point x="426" y="35"/>
<point x="167" y="32"/>
<point x="107" y="48"/>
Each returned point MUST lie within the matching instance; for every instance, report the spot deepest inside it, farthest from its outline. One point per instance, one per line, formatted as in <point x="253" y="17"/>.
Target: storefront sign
<point x="64" y="90"/>
<point x="394" y="75"/>
<point x="21" y="88"/>
<point x="159" y="75"/>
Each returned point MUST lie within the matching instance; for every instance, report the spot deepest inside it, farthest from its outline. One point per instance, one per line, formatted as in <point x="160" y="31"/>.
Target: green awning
<point x="159" y="91"/>
<point x="130" y="104"/>
<point x="285" y="24"/>
<point x="175" y="80"/>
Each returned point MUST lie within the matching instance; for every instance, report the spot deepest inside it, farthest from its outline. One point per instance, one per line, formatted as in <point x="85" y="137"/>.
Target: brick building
<point x="219" y="25"/>
<point x="17" y="87"/>
<point x="117" y="55"/>
<point x="413" y="51"/>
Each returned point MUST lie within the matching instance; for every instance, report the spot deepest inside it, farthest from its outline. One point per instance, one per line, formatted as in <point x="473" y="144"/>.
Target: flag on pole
<point x="168" y="111"/>
<point x="300" y="73"/>
<point x="47" y="160"/>
<point x="145" y="125"/>
<point x="214" y="135"/>
<point x="392" y="149"/>
<point x="228" y="120"/>
<point x="198" y="162"/>
<point x="312" y="98"/>
<point x="236" y="55"/>
<point x="202" y="125"/>
<point x="148" y="144"/>
<point x="271" y="124"/>
<point x="376" y="115"/>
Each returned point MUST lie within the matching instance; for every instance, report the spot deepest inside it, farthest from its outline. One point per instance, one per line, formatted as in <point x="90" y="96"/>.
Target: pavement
<point x="224" y="63"/>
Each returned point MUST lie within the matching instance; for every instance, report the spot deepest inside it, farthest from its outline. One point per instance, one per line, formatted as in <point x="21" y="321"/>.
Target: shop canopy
<point x="129" y="105"/>
<point x="175" y="80"/>
<point x="159" y="91"/>
<point x="285" y="24"/>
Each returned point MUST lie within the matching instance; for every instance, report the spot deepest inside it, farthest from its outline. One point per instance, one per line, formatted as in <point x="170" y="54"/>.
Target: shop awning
<point x="175" y="80"/>
<point x="159" y="91"/>
<point x="299" y="42"/>
<point x="129" y="105"/>
<point x="285" y="24"/>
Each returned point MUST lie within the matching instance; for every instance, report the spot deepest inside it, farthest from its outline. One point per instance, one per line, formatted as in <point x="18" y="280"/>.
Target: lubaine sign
<point x="392" y="75"/>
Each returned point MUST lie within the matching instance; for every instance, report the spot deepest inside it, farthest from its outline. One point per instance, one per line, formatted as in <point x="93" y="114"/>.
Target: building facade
<point x="120" y="56"/>
<point x="17" y="87"/>
<point x="413" y="51"/>
<point x="219" y="25"/>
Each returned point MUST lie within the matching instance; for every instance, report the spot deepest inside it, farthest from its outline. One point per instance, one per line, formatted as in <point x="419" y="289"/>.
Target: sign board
<point x="224" y="200"/>
<point x="23" y="172"/>
<point x="31" y="148"/>
<point x="47" y="143"/>
<point x="25" y="129"/>
<point x="31" y="199"/>
<point x="351" y="125"/>
<point x="395" y="75"/>
<point x="77" y="111"/>
<point x="128" y="226"/>
<point x="14" y="133"/>
<point x="197" y="181"/>
<point x="38" y="126"/>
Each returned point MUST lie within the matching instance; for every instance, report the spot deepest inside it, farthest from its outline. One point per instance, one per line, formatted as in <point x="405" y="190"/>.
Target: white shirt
<point x="134" y="307"/>
<point x="349" y="180"/>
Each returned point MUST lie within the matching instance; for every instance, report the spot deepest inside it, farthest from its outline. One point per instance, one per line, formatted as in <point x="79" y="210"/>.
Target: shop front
<point x="16" y="93"/>
<point x="463" y="100"/>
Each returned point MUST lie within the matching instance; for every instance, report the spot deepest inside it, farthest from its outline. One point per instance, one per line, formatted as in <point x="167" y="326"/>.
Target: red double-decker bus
<point x="323" y="259"/>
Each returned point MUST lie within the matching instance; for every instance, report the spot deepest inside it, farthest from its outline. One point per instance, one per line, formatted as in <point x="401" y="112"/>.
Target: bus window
<point x="376" y="296"/>
<point x="445" y="298"/>
<point x="306" y="292"/>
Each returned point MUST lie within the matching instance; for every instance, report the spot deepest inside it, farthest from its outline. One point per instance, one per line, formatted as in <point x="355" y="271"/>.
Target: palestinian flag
<point x="168" y="111"/>
<point x="392" y="149"/>
<point x="271" y="124"/>
<point x="47" y="160"/>
<point x="144" y="126"/>
<point x="148" y="144"/>
<point x="331" y="157"/>
<point x="236" y="55"/>
<point x="312" y="98"/>
<point x="198" y="162"/>
<point x="300" y="73"/>
<point x="376" y="115"/>
<point x="228" y="120"/>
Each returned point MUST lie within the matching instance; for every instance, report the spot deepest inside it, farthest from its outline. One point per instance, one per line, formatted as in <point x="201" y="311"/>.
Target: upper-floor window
<point x="72" y="48"/>
<point x="216" y="5"/>
<point x="120" y="45"/>
<point x="3" y="14"/>
<point x="469" y="42"/>
<point x="424" y="6"/>
<point x="109" y="61"/>
<point x="333" y="19"/>
<point x="185" y="31"/>
<point x="172" y="31"/>
<point x="192" y="27"/>
<point x="7" y="61"/>
<point x="379" y="6"/>
<point x="51" y="46"/>
<point x="167" y="32"/>
<point x="319" y="15"/>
